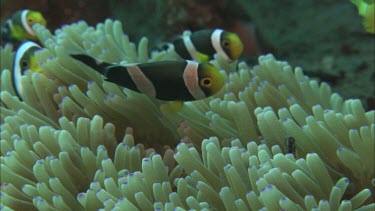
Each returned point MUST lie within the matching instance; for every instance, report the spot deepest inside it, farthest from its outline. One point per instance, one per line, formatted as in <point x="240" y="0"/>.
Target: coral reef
<point x="77" y="142"/>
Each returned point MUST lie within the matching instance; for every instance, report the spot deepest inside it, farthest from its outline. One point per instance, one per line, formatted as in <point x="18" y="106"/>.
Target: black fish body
<point x="165" y="80"/>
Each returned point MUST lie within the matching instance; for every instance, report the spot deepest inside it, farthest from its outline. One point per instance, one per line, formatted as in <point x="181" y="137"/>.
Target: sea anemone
<point x="76" y="142"/>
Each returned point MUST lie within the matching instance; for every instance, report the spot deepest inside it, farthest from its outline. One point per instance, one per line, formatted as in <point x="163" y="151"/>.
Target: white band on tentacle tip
<point x="143" y="84"/>
<point x="24" y="23"/>
<point x="215" y="40"/>
<point x="191" y="80"/>
<point x="190" y="47"/>
<point x="17" y="71"/>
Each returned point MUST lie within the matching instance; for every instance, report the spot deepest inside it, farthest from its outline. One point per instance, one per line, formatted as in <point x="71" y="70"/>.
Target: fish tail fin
<point x="95" y="64"/>
<point x="361" y="6"/>
<point x="5" y="31"/>
<point x="367" y="11"/>
<point x="369" y="19"/>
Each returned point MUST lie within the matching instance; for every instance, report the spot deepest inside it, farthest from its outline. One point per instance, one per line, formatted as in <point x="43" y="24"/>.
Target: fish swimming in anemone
<point x="203" y="44"/>
<point x="19" y="27"/>
<point x="25" y="60"/>
<point x="367" y="11"/>
<point x="173" y="81"/>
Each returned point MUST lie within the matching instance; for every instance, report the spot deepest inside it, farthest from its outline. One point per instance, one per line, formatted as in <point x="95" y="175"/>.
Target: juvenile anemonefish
<point x="367" y="11"/>
<point x="203" y="44"/>
<point x="166" y="80"/>
<point x="290" y="145"/>
<point x="25" y="60"/>
<point x="19" y="27"/>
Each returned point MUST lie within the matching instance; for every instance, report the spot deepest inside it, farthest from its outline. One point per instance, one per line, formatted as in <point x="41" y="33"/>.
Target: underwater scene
<point x="187" y="105"/>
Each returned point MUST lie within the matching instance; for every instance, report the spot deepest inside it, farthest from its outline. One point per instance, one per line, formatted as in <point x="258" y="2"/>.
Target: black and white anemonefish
<point x="19" y="27"/>
<point x="25" y="60"/>
<point x="203" y="44"/>
<point x="165" y="80"/>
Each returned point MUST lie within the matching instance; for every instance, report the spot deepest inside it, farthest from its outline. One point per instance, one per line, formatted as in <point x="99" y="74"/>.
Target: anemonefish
<point x="165" y="80"/>
<point x="203" y="44"/>
<point x="290" y="145"/>
<point x="25" y="60"/>
<point x="19" y="27"/>
<point x="367" y="11"/>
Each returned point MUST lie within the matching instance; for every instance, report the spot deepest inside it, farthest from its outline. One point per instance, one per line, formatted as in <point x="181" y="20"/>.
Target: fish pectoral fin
<point x="171" y="107"/>
<point x="203" y="57"/>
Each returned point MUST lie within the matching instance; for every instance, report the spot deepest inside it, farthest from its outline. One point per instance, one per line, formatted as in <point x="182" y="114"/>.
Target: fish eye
<point x="206" y="82"/>
<point x="225" y="43"/>
<point x="24" y="64"/>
